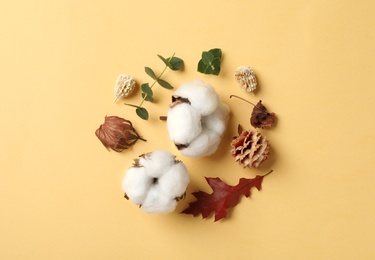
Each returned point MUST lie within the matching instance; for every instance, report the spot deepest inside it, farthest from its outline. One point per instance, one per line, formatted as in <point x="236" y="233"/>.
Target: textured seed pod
<point x="246" y="79"/>
<point x="124" y="86"/>
<point x="250" y="148"/>
<point x="117" y="133"/>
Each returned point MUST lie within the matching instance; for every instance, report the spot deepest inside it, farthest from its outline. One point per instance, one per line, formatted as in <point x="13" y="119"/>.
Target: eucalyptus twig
<point x="174" y="63"/>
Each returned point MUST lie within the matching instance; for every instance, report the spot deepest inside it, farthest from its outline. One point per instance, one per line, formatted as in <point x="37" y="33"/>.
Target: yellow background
<point x="60" y="189"/>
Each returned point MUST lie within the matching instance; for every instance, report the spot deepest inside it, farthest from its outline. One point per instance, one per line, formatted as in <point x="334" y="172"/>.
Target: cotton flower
<point x="137" y="183"/>
<point x="156" y="182"/>
<point x="184" y="123"/>
<point x="201" y="96"/>
<point x="196" y="119"/>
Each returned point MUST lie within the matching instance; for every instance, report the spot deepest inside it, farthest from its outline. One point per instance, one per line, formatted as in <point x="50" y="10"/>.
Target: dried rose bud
<point x="117" y="133"/>
<point x="246" y="79"/>
<point x="124" y="86"/>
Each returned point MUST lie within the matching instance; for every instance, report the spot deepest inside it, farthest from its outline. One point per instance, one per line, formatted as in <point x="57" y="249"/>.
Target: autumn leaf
<point x="223" y="198"/>
<point x="260" y="116"/>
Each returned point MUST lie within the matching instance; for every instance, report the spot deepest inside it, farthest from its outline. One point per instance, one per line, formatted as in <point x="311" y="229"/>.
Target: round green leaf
<point x="147" y="97"/>
<point x="150" y="72"/>
<point x="216" y="52"/>
<point x="146" y="89"/>
<point x="164" y="84"/>
<point x="164" y="60"/>
<point x="142" y="113"/>
<point x="207" y="57"/>
<point x="175" y="63"/>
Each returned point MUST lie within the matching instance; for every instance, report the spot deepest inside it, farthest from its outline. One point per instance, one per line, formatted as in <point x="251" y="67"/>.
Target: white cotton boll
<point x="174" y="182"/>
<point x="202" y="96"/>
<point x="205" y="144"/>
<point x="136" y="184"/>
<point x="157" y="202"/>
<point x="217" y="121"/>
<point x="157" y="163"/>
<point x="183" y="123"/>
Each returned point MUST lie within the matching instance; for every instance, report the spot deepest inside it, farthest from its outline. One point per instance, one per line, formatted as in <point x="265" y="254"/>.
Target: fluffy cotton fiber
<point x="156" y="182"/>
<point x="202" y="96"/>
<point x="183" y="123"/>
<point x="200" y="134"/>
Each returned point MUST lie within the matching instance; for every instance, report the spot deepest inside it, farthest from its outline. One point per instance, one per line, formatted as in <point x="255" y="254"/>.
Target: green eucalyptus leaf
<point x="164" y="60"/>
<point x="150" y="72"/>
<point x="210" y="62"/>
<point x="202" y="67"/>
<point x="164" y="84"/>
<point x="207" y="57"/>
<point x="175" y="63"/>
<point x="147" y="97"/>
<point x="212" y="68"/>
<point x="146" y="89"/>
<point x="216" y="52"/>
<point x="142" y="113"/>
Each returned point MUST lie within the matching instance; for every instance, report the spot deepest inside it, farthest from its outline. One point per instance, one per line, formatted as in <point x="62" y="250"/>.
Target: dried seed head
<point x="124" y="86"/>
<point x="250" y="148"/>
<point x="246" y="79"/>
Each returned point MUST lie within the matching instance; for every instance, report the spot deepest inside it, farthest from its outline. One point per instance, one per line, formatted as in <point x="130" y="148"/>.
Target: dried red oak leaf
<point x="260" y="118"/>
<point x="223" y="198"/>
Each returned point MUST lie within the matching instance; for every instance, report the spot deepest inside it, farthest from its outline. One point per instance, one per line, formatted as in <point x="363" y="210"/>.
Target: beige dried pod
<point x="246" y="79"/>
<point x="124" y="86"/>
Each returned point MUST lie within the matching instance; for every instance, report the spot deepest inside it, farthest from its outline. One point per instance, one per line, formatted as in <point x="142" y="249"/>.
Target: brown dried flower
<point x="117" y="133"/>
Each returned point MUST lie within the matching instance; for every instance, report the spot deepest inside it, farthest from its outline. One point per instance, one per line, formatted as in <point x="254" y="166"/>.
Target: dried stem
<point x="267" y="173"/>
<point x="241" y="99"/>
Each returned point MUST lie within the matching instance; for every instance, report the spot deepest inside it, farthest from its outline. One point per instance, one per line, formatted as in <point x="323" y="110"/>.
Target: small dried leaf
<point x="260" y="118"/>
